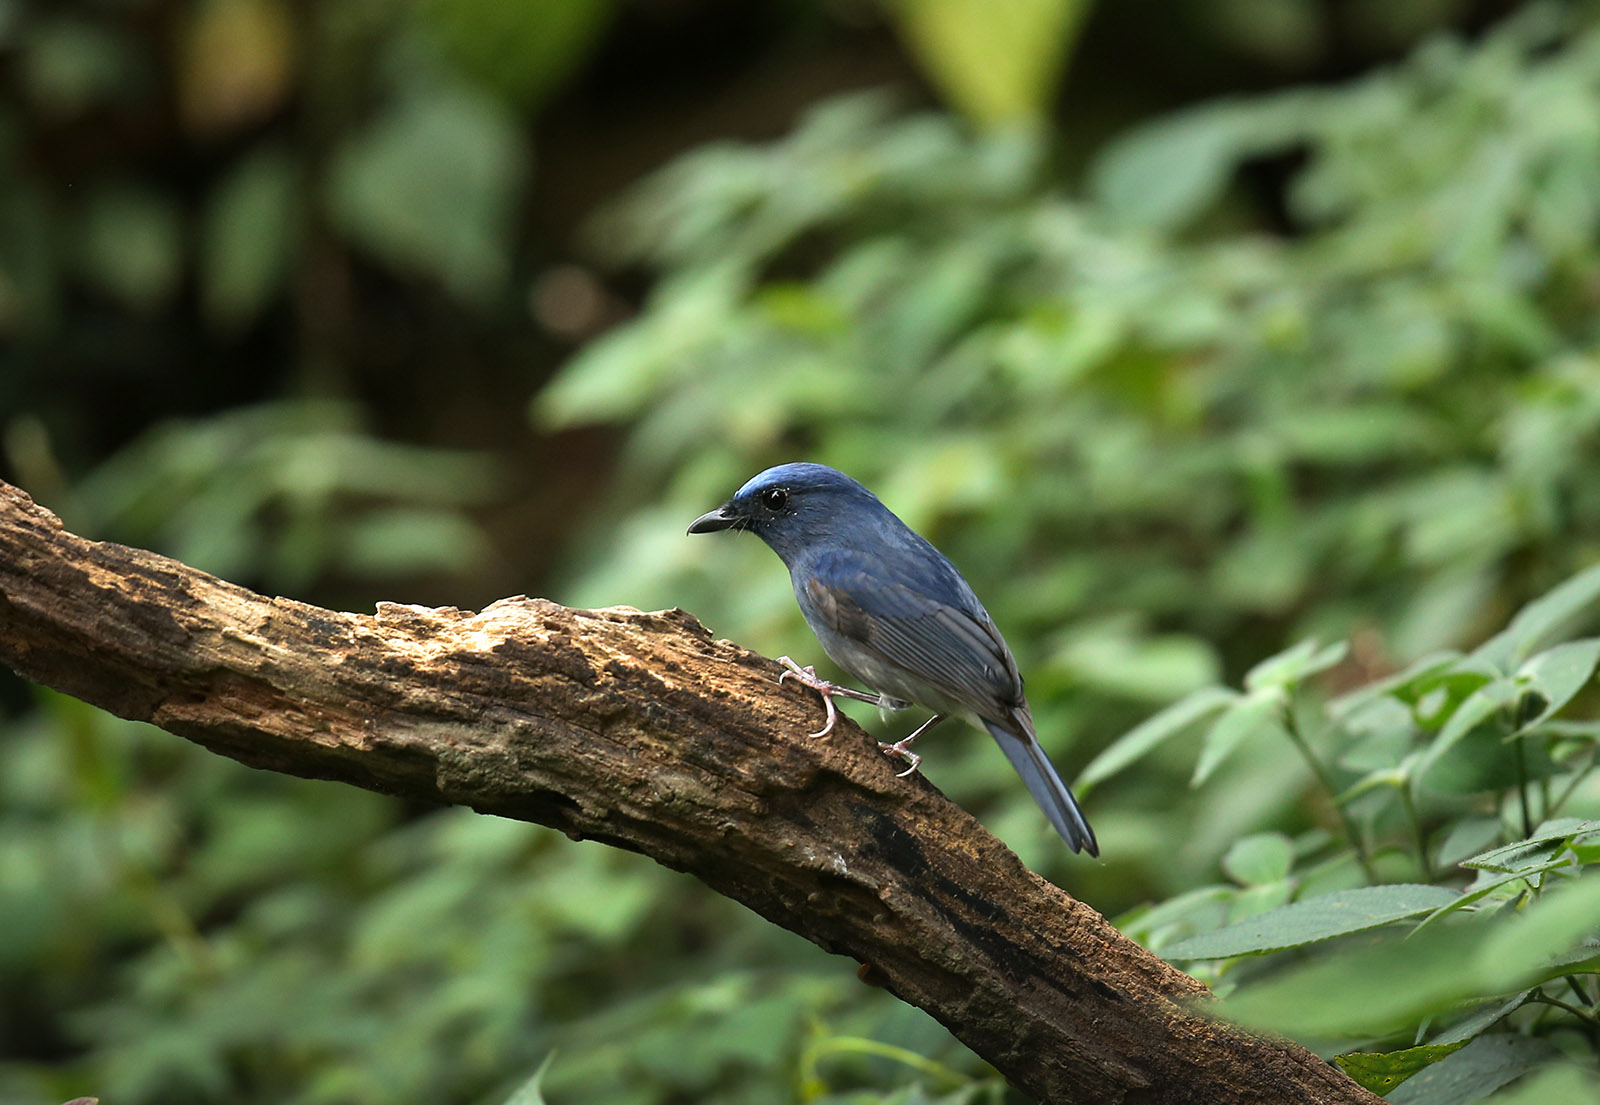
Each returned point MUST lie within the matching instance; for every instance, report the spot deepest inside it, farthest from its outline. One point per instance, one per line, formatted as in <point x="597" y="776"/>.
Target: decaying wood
<point x="640" y="730"/>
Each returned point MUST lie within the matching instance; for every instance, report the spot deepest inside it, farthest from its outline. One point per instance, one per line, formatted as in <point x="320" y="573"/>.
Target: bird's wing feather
<point x="932" y="627"/>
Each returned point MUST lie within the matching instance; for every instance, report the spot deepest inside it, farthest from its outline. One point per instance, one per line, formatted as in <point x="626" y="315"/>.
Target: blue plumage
<point x="891" y="610"/>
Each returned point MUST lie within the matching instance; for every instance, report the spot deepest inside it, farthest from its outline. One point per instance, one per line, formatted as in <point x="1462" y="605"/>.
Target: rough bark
<point x="640" y="730"/>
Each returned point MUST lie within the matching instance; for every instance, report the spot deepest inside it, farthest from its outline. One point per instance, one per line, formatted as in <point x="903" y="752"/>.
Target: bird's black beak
<point x="721" y="518"/>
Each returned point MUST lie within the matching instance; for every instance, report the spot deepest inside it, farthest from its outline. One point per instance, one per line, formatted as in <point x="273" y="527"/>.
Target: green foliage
<point x="521" y="50"/>
<point x="1375" y="431"/>
<point x="1140" y="434"/>
<point x="429" y="187"/>
<point x="414" y="123"/>
<point x="207" y="956"/>
<point x="1160" y="441"/>
<point x="286" y="494"/>
<point x="1420" y="773"/>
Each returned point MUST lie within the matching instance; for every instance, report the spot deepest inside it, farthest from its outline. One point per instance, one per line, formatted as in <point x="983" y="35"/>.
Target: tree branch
<point x="640" y="730"/>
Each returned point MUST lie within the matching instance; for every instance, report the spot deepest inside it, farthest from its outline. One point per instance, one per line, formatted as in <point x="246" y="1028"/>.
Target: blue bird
<point x="889" y="609"/>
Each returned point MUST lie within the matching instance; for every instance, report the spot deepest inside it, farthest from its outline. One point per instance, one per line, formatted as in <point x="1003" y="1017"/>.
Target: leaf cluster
<point x="1447" y="915"/>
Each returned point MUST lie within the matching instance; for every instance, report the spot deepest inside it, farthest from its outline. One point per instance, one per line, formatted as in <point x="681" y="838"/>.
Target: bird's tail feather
<point x="1047" y="788"/>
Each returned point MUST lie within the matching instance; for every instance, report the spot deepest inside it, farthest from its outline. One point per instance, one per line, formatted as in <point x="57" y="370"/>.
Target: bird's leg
<point x="902" y="748"/>
<point x="828" y="691"/>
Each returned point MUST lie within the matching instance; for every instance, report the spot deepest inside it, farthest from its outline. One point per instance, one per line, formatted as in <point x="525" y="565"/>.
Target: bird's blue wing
<point x="921" y="618"/>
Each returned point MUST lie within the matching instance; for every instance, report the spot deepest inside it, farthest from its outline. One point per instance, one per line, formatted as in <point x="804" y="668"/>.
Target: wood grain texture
<point x="641" y="730"/>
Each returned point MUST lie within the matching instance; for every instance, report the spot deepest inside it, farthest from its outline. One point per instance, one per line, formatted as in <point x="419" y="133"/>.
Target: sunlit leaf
<point x="1166" y="172"/>
<point x="1520" y="950"/>
<point x="531" y="1092"/>
<point x="1382" y="1072"/>
<point x="998" y="61"/>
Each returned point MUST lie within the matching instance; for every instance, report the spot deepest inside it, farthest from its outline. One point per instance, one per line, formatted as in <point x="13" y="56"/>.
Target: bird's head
<point x="793" y="506"/>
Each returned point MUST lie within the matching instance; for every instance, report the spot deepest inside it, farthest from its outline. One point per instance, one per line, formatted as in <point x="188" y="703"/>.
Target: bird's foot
<point x="829" y="691"/>
<point x="900" y="749"/>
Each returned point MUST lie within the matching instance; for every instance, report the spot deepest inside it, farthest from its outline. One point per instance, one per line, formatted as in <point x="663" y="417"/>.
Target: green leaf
<point x="1478" y="708"/>
<point x="1561" y="1084"/>
<point x="1483" y="1018"/>
<point x="131" y="245"/>
<point x="1118" y="658"/>
<point x="619" y="373"/>
<point x="1382" y="1072"/>
<point x="1542" y="617"/>
<point x="1145" y="736"/>
<point x="1165" y="173"/>
<point x="1255" y="715"/>
<point x="1520" y="855"/>
<point x="521" y="51"/>
<point x="997" y="61"/>
<point x="1372" y="987"/>
<point x="1293" y="665"/>
<point x="1476" y="1071"/>
<point x="531" y="1092"/>
<point x="1319" y="918"/>
<point x="1406" y="685"/>
<point x="1519" y="952"/>
<point x="1154" y="925"/>
<point x="430" y="188"/>
<point x="1522" y="862"/>
<point x="1558" y="674"/>
<point x="1259" y="858"/>
<point x="248" y="238"/>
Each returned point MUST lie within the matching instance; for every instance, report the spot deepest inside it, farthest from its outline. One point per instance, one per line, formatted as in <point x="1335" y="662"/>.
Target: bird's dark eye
<point x="774" y="498"/>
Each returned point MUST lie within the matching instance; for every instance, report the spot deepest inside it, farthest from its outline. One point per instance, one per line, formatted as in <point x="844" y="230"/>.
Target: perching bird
<point x="892" y="611"/>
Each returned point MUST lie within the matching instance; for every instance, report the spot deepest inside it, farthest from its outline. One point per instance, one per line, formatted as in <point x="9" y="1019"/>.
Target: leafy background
<point x="1244" y="355"/>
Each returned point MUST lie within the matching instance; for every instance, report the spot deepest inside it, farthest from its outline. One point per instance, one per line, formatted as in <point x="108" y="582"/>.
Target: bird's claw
<point x="898" y="749"/>
<point x="808" y="677"/>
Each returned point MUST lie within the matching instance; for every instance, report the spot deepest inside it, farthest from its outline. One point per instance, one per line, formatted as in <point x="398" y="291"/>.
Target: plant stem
<point x="1291" y="726"/>
<point x="1582" y="1014"/>
<point x="1409" y="801"/>
<point x="1578" y="776"/>
<point x="1522" y="789"/>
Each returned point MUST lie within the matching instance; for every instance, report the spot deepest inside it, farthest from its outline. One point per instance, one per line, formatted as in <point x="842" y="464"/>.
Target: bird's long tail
<point x="1047" y="788"/>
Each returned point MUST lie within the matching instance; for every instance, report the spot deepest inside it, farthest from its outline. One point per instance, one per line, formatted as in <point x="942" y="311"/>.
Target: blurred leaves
<point x="1374" y="431"/>
<point x="429" y="187"/>
<point x="70" y="64"/>
<point x="520" y="51"/>
<point x="403" y="133"/>
<point x="131" y="245"/>
<point x="287" y="493"/>
<point x="1364" y="430"/>
<point x="249" y="238"/>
